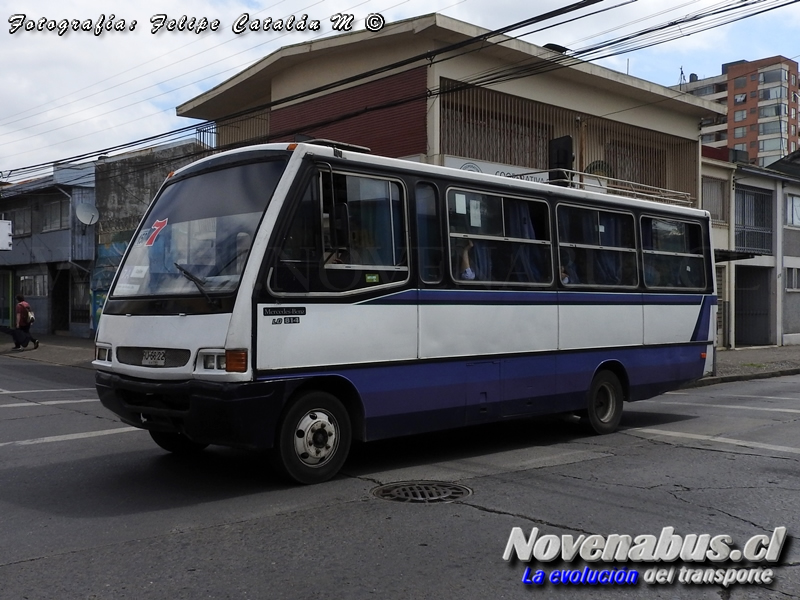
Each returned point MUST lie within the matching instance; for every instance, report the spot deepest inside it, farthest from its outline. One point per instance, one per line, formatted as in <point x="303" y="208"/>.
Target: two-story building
<point x="446" y="92"/>
<point x="756" y="217"/>
<point x="52" y="252"/>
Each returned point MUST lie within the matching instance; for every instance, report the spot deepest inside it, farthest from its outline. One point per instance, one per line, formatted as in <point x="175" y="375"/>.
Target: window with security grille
<point x="55" y="216"/>
<point x="20" y="220"/>
<point x="754" y="227"/>
<point x="792" y="279"/>
<point x="715" y="198"/>
<point x="33" y="285"/>
<point x="793" y="210"/>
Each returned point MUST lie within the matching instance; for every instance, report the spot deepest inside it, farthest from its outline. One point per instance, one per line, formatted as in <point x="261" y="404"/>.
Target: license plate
<point x="153" y="358"/>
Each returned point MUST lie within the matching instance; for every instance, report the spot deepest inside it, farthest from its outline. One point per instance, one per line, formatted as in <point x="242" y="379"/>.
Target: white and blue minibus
<point x="299" y="297"/>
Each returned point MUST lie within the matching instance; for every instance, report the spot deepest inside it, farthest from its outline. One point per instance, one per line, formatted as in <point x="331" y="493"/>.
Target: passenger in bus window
<point x="568" y="268"/>
<point x="652" y="278"/>
<point x="465" y="269"/>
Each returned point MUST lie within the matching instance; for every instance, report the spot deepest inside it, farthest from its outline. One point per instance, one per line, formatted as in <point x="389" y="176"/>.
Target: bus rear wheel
<point x="313" y="438"/>
<point x="177" y="443"/>
<point x="604" y="404"/>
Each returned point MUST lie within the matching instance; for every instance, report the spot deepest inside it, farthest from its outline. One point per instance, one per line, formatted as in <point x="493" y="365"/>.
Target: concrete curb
<point x="706" y="381"/>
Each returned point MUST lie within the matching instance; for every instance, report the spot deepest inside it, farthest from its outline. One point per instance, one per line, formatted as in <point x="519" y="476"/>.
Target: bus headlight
<point x="102" y="353"/>
<point x="232" y="361"/>
<point x="211" y="360"/>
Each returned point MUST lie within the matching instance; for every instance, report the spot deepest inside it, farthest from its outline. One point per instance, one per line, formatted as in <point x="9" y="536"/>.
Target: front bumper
<point x="243" y="415"/>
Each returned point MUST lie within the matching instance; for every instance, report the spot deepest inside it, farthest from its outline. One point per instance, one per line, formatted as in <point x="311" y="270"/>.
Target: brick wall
<point x="388" y="116"/>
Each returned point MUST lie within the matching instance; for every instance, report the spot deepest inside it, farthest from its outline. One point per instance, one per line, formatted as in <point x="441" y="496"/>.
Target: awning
<point x="721" y="255"/>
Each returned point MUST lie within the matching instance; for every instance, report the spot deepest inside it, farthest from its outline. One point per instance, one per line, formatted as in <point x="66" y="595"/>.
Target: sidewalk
<point x="732" y="365"/>
<point x="754" y="362"/>
<point x="56" y="350"/>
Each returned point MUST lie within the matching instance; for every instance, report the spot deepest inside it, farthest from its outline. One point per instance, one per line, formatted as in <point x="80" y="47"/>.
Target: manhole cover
<point x="421" y="492"/>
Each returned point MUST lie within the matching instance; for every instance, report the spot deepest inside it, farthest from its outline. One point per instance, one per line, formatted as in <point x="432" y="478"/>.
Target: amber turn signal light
<point x="236" y="361"/>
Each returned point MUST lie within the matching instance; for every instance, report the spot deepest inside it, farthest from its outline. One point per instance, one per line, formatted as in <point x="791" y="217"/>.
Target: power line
<point x="342" y="82"/>
<point x="161" y="68"/>
<point x="491" y="77"/>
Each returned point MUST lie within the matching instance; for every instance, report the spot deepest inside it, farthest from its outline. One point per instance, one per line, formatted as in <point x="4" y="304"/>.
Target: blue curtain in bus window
<point x="376" y="223"/>
<point x="647" y="234"/>
<point x="519" y="225"/>
<point x="370" y="230"/>
<point x="578" y="226"/>
<point x="481" y="260"/>
<point x="398" y="232"/>
<point x="608" y="264"/>
<point x="428" y="234"/>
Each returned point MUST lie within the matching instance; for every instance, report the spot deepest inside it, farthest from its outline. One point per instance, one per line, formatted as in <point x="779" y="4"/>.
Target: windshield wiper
<point x="201" y="285"/>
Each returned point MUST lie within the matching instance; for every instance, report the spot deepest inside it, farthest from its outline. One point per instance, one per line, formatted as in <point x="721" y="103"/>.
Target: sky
<point x="67" y="94"/>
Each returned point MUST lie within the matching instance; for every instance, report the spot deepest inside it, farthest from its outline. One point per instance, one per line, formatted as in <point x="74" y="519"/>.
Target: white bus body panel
<point x="340" y="334"/>
<point x="469" y="330"/>
<point x="604" y="326"/>
<point x="190" y="332"/>
<point x="669" y="323"/>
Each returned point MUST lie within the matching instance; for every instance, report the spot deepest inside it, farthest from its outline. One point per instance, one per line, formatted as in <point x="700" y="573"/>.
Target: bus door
<point x="340" y="275"/>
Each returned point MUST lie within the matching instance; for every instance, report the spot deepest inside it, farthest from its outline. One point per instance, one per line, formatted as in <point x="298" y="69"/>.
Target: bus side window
<point x="300" y="241"/>
<point x="598" y="247"/>
<point x="498" y="239"/>
<point x="672" y="253"/>
<point x="429" y="234"/>
<point x="299" y="251"/>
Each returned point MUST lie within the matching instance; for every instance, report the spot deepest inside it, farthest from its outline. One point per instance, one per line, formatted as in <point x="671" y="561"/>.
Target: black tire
<point x="177" y="443"/>
<point x="603" y="404"/>
<point x="313" y="438"/>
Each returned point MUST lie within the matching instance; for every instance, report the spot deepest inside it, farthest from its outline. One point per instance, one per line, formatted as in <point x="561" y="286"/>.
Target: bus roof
<point x="330" y="149"/>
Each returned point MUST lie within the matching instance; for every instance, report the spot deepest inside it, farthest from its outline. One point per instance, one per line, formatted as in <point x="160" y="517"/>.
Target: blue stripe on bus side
<point x="495" y="297"/>
<point x="424" y="396"/>
<point x="701" y="332"/>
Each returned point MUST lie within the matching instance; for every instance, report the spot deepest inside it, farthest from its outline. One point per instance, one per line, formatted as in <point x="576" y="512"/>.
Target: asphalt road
<point x="92" y="509"/>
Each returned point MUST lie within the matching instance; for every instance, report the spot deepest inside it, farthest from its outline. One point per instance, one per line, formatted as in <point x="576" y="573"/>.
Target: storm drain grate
<point x="421" y="492"/>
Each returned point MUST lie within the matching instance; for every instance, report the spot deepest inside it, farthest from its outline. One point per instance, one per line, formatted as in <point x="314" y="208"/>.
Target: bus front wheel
<point x="313" y="438"/>
<point x="177" y="443"/>
<point x="604" y="404"/>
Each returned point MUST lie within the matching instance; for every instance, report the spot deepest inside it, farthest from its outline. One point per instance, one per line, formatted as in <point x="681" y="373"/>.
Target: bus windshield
<point x="196" y="238"/>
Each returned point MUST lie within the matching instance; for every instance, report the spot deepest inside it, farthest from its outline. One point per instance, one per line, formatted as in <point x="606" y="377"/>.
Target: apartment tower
<point x="762" y="100"/>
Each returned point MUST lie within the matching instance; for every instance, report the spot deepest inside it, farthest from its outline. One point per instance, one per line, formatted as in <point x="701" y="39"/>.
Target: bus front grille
<point x="153" y="357"/>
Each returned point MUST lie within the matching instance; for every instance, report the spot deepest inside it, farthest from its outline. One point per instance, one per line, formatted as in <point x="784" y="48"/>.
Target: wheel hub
<point x="605" y="403"/>
<point x="315" y="439"/>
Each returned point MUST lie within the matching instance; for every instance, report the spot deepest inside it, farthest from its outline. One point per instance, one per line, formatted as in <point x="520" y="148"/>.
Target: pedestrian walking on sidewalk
<point x="24" y="319"/>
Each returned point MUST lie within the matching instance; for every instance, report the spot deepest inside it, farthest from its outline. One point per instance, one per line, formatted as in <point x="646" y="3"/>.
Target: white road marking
<point x="721" y="440"/>
<point x="70" y="436"/>
<point x="733" y="406"/>
<point x="737" y="396"/>
<point x="47" y="403"/>
<point x="44" y="391"/>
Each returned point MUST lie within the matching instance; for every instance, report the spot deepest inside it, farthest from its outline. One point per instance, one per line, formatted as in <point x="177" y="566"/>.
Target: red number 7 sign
<point x="157" y="227"/>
